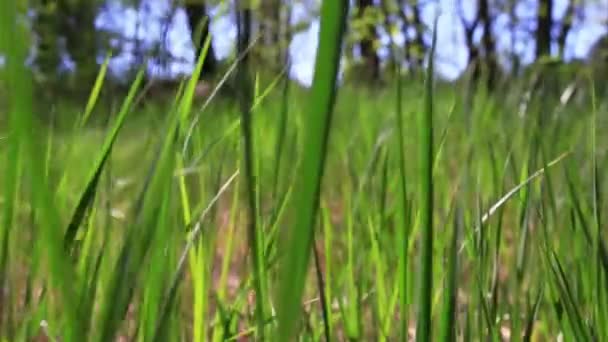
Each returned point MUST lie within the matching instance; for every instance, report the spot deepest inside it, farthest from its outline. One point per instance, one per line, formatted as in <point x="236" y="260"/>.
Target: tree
<point x="566" y="27"/>
<point x="71" y="22"/>
<point x="368" y="38"/>
<point x="414" y="46"/>
<point x="198" y="21"/>
<point x="78" y="28"/>
<point x="544" y="23"/>
<point x="486" y="64"/>
<point x="469" y="31"/>
<point x="45" y="28"/>
<point x="513" y="29"/>
<point x="489" y="44"/>
<point x="270" y="24"/>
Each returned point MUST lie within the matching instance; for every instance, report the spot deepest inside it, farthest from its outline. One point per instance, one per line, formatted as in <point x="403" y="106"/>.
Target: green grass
<point x="325" y="214"/>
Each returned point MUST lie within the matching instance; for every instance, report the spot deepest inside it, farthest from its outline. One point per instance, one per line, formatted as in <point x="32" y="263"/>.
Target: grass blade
<point x="448" y="327"/>
<point x="95" y="91"/>
<point x="88" y="196"/>
<point x="298" y="248"/>
<point x="24" y="134"/>
<point x="255" y="237"/>
<point x="425" y="130"/>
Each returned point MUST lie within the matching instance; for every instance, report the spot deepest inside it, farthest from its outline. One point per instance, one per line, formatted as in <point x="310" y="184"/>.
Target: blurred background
<point x="72" y="37"/>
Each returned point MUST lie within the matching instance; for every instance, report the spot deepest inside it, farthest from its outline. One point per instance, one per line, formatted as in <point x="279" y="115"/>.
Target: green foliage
<point x="157" y="200"/>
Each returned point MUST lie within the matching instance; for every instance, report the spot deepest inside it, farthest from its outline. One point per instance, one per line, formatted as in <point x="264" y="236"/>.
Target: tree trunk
<point x="414" y="47"/>
<point x="366" y="44"/>
<point x="78" y="28"/>
<point x="243" y="24"/>
<point x="566" y="27"/>
<point x="270" y="25"/>
<point x="46" y="29"/>
<point x="73" y="23"/>
<point x="198" y="20"/>
<point x="388" y="28"/>
<point x="543" y="30"/>
<point x="488" y="43"/>
<point x="419" y="47"/>
<point x="513" y="23"/>
<point x="469" y="32"/>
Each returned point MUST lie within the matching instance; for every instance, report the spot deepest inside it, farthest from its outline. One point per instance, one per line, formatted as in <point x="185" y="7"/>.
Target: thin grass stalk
<point x="599" y="293"/>
<point x="328" y="244"/>
<point x="281" y="133"/>
<point x="323" y="299"/>
<point x="449" y="319"/>
<point x="88" y="195"/>
<point x="425" y="130"/>
<point x="403" y="228"/>
<point x="254" y="233"/>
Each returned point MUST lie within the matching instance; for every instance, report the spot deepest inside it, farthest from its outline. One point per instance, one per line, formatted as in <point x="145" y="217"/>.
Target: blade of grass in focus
<point x="298" y="247"/>
<point x="95" y="91"/>
<point x="87" y="197"/>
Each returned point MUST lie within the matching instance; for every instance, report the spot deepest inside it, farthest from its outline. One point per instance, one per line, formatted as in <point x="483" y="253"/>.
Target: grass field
<point x="417" y="209"/>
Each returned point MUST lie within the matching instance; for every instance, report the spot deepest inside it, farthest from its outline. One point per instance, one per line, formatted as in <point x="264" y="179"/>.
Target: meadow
<point x="421" y="209"/>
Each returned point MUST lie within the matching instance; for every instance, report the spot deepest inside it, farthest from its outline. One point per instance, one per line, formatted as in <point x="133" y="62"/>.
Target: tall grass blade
<point x="88" y="195"/>
<point x="568" y="298"/>
<point x="281" y="134"/>
<point x="449" y="319"/>
<point x="322" y="292"/>
<point x="254" y="231"/>
<point x="425" y="131"/>
<point x="26" y="139"/>
<point x="318" y="122"/>
<point x="95" y="91"/>
<point x="403" y="228"/>
<point x="532" y="315"/>
<point x="172" y="292"/>
<point x="12" y="161"/>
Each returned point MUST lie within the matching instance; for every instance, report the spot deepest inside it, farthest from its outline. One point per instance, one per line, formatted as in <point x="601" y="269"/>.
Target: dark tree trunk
<point x="488" y="43"/>
<point x="73" y="23"/>
<point x="46" y="27"/>
<point x="543" y="30"/>
<point x="469" y="32"/>
<point x="419" y="47"/>
<point x="78" y="28"/>
<point x="198" y="20"/>
<point x="387" y="27"/>
<point x="414" y="47"/>
<point x="513" y="23"/>
<point x="243" y="24"/>
<point x="405" y="25"/>
<point x="243" y="40"/>
<point x="270" y="29"/>
<point x="366" y="45"/>
<point x="566" y="27"/>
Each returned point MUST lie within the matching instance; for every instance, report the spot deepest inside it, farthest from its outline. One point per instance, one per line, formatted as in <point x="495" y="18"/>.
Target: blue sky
<point x="451" y="59"/>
